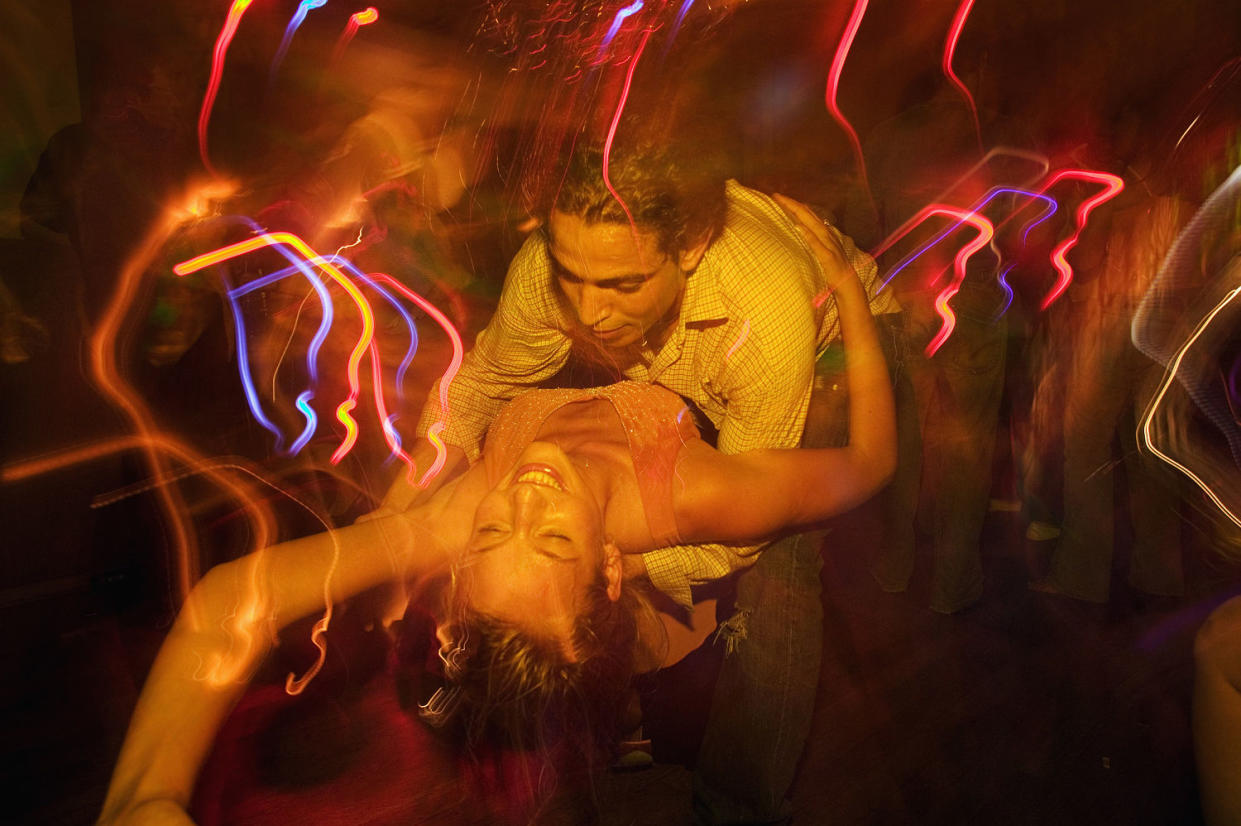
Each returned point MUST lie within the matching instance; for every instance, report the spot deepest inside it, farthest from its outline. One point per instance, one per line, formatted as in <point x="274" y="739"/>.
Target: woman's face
<point x="536" y="544"/>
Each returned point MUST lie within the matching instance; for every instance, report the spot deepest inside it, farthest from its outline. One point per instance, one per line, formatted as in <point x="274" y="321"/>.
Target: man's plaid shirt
<point x="754" y="317"/>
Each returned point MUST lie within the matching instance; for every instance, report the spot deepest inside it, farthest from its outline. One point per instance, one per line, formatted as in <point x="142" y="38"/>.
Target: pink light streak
<point x="454" y="364"/>
<point x="607" y="144"/>
<point x="217" y="70"/>
<point x="356" y="21"/>
<point x="985" y="233"/>
<point x="1112" y="186"/>
<point x="950" y="50"/>
<point x="833" y="87"/>
<point x="745" y="333"/>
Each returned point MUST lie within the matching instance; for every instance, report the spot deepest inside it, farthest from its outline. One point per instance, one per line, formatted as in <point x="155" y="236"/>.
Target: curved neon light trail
<point x="1171" y="375"/>
<point x="295" y="23"/>
<point x="412" y="349"/>
<point x="1112" y="185"/>
<point x="950" y="50"/>
<point x="217" y="70"/>
<point x="356" y="21"/>
<point x="368" y="318"/>
<point x="617" y="22"/>
<point x="676" y="25"/>
<point x="243" y="367"/>
<point x="833" y="87"/>
<point x="998" y="151"/>
<point x="458" y="352"/>
<point x="385" y="420"/>
<point x="978" y="206"/>
<point x="607" y="143"/>
<point x="985" y="233"/>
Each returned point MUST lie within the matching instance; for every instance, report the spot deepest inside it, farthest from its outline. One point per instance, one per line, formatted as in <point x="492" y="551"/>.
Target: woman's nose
<point x="529" y="502"/>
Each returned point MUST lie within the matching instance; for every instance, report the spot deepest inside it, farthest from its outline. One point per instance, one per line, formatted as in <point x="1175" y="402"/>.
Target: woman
<point x="541" y="541"/>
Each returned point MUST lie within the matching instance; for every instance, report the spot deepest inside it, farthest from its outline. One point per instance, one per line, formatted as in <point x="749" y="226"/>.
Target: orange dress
<point x="657" y="424"/>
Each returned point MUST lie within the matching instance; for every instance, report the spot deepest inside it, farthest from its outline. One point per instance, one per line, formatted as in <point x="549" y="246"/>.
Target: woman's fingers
<point x="821" y="239"/>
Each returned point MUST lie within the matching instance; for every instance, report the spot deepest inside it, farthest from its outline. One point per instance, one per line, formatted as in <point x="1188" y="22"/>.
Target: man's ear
<point x="612" y="570"/>
<point x="688" y="258"/>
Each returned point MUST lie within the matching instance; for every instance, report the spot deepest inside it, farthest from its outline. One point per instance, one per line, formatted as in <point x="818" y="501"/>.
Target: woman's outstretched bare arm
<point x="226" y="627"/>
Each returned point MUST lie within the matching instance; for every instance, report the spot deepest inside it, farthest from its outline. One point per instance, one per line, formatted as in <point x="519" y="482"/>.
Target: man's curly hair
<point x="674" y="194"/>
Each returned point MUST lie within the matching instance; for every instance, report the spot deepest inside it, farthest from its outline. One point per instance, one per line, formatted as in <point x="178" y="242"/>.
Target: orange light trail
<point x="1170" y="375"/>
<point x="103" y="345"/>
<point x="368" y="319"/>
<point x="217" y="70"/>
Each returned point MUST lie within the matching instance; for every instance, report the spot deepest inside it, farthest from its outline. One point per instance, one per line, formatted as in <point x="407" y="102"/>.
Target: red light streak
<point x="985" y="233"/>
<point x="217" y="70"/>
<point x="950" y="49"/>
<point x="905" y="228"/>
<point x="454" y="364"/>
<point x="356" y="21"/>
<point x="607" y="144"/>
<point x="833" y="87"/>
<point x="382" y="409"/>
<point x="1112" y="186"/>
<point x="364" y="308"/>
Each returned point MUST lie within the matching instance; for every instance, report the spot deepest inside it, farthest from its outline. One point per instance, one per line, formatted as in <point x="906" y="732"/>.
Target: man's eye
<point x="629" y="288"/>
<point x="490" y="529"/>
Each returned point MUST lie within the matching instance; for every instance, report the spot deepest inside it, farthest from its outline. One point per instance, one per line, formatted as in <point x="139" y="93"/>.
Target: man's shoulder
<point x="758" y="260"/>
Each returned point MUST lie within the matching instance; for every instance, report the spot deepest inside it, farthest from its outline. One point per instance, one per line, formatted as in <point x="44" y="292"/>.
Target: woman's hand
<point x="823" y="242"/>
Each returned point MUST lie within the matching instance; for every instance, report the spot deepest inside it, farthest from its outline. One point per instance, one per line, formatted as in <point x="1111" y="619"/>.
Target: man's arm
<point x="794" y="488"/>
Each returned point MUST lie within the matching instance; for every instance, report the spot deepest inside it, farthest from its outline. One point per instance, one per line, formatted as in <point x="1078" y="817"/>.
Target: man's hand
<point x="404" y="494"/>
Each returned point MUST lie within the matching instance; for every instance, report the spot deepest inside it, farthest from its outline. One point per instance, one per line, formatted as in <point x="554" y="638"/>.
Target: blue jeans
<point x="764" y="698"/>
<point x="947" y="412"/>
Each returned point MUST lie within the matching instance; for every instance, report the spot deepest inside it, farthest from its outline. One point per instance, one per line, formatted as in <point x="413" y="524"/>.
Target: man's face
<point x="621" y="285"/>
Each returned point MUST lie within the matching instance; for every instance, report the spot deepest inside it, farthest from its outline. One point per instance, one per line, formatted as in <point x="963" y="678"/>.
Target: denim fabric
<point x="947" y="411"/>
<point x="1107" y="385"/>
<point x="762" y="705"/>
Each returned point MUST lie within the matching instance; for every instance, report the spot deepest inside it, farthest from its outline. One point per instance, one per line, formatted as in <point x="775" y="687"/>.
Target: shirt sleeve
<point x="766" y="381"/>
<point x="522" y="346"/>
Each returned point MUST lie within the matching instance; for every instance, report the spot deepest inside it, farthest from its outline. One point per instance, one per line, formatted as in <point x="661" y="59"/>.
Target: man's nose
<point x="594" y="305"/>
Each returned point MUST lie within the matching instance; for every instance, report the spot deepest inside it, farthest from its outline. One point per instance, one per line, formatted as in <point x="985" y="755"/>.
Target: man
<point x="665" y="273"/>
